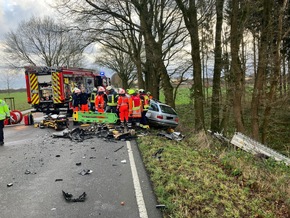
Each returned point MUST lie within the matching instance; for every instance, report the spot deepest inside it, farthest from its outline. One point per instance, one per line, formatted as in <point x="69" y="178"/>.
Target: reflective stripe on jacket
<point x="145" y="100"/>
<point x="136" y="106"/>
<point x="112" y="99"/>
<point x="4" y="110"/>
<point x="123" y="101"/>
<point x="93" y="96"/>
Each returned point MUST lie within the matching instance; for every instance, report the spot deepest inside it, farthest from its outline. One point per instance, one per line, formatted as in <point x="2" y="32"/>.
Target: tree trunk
<point x="276" y="73"/>
<point x="215" y="106"/>
<point x="236" y="69"/>
<point x="155" y="60"/>
<point x="190" y="19"/>
<point x="261" y="70"/>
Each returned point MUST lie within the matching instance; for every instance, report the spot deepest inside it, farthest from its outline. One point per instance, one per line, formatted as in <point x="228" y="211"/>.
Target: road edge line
<point x="136" y="182"/>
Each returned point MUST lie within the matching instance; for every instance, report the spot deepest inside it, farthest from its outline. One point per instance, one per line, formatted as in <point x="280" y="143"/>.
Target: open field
<point x="20" y="100"/>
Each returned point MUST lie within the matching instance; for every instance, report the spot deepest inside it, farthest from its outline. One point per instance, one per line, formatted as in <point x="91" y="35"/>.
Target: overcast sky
<point x="12" y="12"/>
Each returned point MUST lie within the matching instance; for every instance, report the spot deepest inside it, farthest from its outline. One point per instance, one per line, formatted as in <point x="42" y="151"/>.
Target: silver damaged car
<point x="161" y="115"/>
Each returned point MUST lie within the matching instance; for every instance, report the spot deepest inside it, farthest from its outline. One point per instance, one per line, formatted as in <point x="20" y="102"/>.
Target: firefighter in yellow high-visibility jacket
<point x="4" y="113"/>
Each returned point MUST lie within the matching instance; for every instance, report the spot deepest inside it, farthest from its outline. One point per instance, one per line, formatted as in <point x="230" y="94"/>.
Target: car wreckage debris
<point x="85" y="172"/>
<point x="119" y="148"/>
<point x="69" y="197"/>
<point x="28" y="172"/>
<point x="107" y="132"/>
<point x="177" y="136"/>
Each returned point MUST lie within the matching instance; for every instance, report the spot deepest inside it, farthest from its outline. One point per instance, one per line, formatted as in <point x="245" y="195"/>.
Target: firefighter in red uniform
<point x="123" y="107"/>
<point x="100" y="100"/>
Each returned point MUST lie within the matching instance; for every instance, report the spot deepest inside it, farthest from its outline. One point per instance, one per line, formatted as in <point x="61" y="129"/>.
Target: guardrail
<point x="244" y="142"/>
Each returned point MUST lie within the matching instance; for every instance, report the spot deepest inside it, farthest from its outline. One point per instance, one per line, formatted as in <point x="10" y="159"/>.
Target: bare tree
<point x="8" y="77"/>
<point x="158" y="22"/>
<point x="119" y="62"/>
<point x="43" y="42"/>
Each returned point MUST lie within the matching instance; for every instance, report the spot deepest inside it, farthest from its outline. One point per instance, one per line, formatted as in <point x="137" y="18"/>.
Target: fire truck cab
<point x="49" y="89"/>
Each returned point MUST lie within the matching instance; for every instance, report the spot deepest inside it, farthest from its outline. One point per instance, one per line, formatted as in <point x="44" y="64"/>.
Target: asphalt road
<point x="33" y="162"/>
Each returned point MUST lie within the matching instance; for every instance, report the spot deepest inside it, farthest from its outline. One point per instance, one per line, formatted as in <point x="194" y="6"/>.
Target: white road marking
<point x="137" y="187"/>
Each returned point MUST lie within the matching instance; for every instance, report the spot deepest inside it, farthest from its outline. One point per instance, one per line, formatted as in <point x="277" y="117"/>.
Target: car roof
<point x="158" y="102"/>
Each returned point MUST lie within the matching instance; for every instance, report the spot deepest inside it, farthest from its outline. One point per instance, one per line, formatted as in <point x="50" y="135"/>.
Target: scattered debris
<point x="58" y="180"/>
<point x="160" y="150"/>
<point x="177" y="136"/>
<point x="55" y="121"/>
<point x="28" y="172"/>
<point x="110" y="133"/>
<point x="119" y="148"/>
<point x="69" y="197"/>
<point x="9" y="184"/>
<point x="220" y="137"/>
<point x="122" y="203"/>
<point x="160" y="206"/>
<point x="85" y="172"/>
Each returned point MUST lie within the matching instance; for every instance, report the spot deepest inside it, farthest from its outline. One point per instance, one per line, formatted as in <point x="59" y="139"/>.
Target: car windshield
<point x="167" y="110"/>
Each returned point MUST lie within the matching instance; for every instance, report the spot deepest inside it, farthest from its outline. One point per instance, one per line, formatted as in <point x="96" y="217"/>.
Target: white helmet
<point x="109" y="88"/>
<point x="101" y="89"/>
<point x="121" y="91"/>
<point x="76" y="90"/>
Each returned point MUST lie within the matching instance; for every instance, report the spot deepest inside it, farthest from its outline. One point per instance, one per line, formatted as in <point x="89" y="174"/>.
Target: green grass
<point x="214" y="181"/>
<point x="199" y="177"/>
<point x="20" y="100"/>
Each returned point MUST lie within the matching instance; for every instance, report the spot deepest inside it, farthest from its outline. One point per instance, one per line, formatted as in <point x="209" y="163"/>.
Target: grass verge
<point x="200" y="178"/>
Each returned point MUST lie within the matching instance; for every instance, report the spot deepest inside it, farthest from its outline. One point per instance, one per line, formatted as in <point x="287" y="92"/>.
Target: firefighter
<point x="4" y="113"/>
<point x="135" y="105"/>
<point x="84" y="100"/>
<point x="145" y="103"/>
<point x="92" y="98"/>
<point x="112" y="100"/>
<point x="76" y="99"/>
<point x="100" y="100"/>
<point x="149" y="95"/>
<point x="123" y="107"/>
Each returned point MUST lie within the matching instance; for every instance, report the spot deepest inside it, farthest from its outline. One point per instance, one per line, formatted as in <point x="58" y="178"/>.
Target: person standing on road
<point x="92" y="99"/>
<point x="112" y="100"/>
<point x="4" y="113"/>
<point x="84" y="100"/>
<point x="100" y="103"/>
<point x="76" y="99"/>
<point x="123" y="107"/>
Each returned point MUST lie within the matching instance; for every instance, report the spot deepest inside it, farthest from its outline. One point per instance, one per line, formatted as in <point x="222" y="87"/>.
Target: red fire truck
<point x="49" y="89"/>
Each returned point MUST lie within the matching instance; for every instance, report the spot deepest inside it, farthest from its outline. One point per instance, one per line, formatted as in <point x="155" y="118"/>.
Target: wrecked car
<point x="161" y="115"/>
